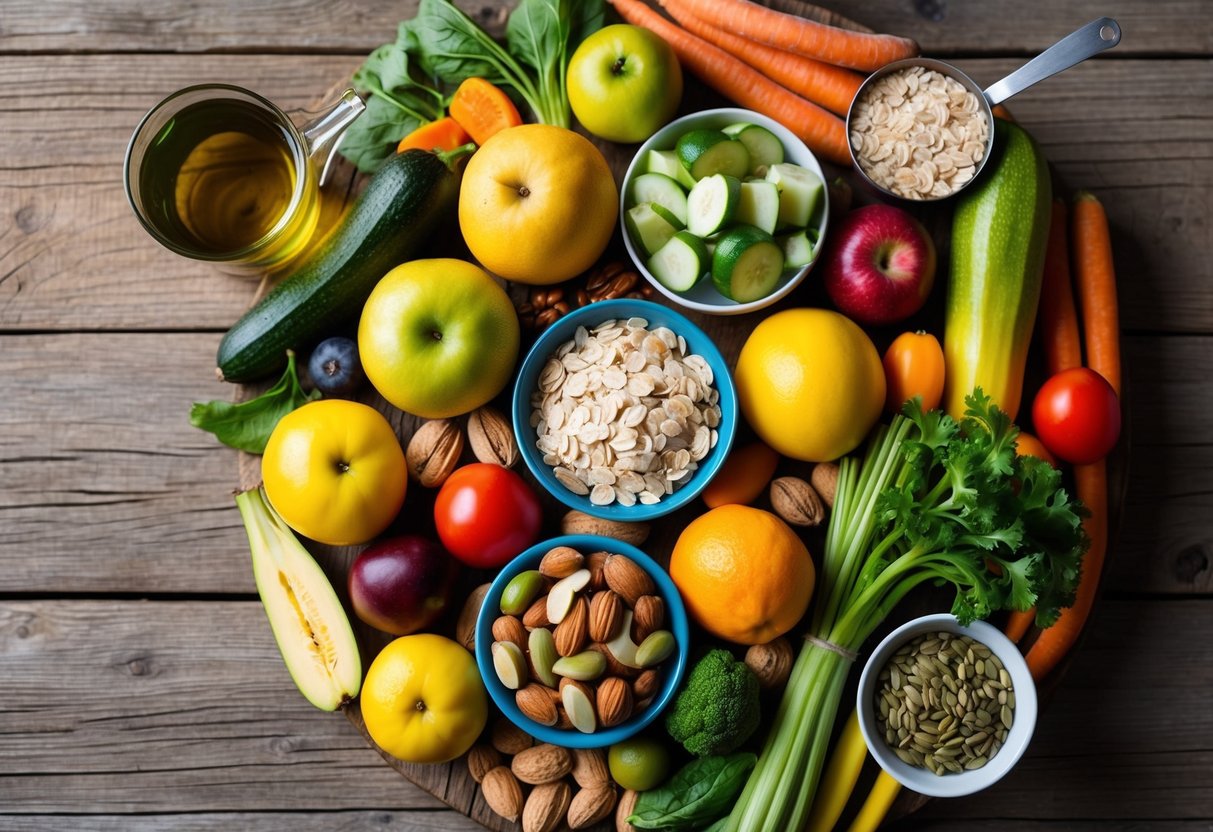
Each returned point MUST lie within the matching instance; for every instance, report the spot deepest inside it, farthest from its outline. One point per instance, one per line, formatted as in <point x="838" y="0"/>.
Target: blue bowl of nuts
<point x="624" y="410"/>
<point x="582" y="641"/>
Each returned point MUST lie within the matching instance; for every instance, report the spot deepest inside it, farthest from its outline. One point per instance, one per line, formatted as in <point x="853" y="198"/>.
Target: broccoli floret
<point x="717" y="708"/>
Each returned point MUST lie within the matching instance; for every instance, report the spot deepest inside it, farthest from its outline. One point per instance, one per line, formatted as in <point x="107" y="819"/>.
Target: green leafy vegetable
<point x="932" y="500"/>
<point x="247" y="426"/>
<point x="700" y="793"/>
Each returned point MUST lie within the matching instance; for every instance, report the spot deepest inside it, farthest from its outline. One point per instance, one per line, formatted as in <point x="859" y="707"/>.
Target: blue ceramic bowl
<point x="590" y="316"/>
<point x="673" y="669"/>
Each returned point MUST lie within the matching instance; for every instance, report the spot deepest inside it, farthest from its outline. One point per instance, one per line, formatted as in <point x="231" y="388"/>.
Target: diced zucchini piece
<point x="706" y="152"/>
<point x="798" y="248"/>
<point x="765" y="147"/>
<point x="712" y="203"/>
<point x="747" y="264"/>
<point x="661" y="189"/>
<point x="799" y="192"/>
<point x="666" y="161"/>
<point x="647" y="228"/>
<point x="680" y="262"/>
<point x="759" y="205"/>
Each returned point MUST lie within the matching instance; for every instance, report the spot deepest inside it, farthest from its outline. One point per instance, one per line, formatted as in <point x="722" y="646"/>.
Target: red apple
<point x="402" y="584"/>
<point x="880" y="266"/>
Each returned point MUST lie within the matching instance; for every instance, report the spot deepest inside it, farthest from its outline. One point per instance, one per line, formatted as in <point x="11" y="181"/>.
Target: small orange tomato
<point x="913" y="366"/>
<point x="1029" y="445"/>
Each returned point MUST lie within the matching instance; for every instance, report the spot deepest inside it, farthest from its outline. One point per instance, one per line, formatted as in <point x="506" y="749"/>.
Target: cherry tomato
<point x="1029" y="445"/>
<point x="913" y="366"/>
<point x="486" y="514"/>
<point x="1077" y="415"/>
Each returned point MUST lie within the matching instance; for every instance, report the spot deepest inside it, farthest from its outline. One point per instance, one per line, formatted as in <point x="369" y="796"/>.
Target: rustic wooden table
<point x="140" y="687"/>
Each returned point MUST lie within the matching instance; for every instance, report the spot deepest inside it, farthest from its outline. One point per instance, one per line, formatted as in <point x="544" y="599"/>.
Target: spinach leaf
<point x="453" y="47"/>
<point x="585" y="18"/>
<point x="700" y="793"/>
<point x="542" y="34"/>
<point x="247" y="426"/>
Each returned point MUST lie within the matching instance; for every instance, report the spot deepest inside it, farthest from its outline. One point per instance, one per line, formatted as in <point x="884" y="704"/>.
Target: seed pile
<point x="945" y="703"/>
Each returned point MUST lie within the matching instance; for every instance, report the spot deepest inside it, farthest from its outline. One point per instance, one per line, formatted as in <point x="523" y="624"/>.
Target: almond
<point x="546" y="807"/>
<point x="595" y="564"/>
<point x="771" y="662"/>
<point x="543" y="763"/>
<point x="492" y="437"/>
<point x="571" y="633"/>
<point x="465" y="627"/>
<point x="562" y="718"/>
<point x="564" y="592"/>
<point x="482" y="759"/>
<point x="606" y="614"/>
<point x="502" y="792"/>
<point x="561" y="562"/>
<point x="590" y="767"/>
<point x="614" y="667"/>
<point x="646" y="684"/>
<point x="796" y="502"/>
<point x="433" y="452"/>
<point x="509" y="628"/>
<point x="578" y="699"/>
<point x="824" y="480"/>
<point x="614" y="701"/>
<point x="590" y="805"/>
<point x="578" y="522"/>
<point x="541" y="655"/>
<point x="535" y="702"/>
<point x="508" y="738"/>
<point x="623" y="575"/>
<point x="536" y="615"/>
<point x="648" y="615"/>
<point x="624" y="810"/>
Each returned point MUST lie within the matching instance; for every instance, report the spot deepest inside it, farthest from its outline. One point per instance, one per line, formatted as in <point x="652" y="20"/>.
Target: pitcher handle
<point x="323" y="136"/>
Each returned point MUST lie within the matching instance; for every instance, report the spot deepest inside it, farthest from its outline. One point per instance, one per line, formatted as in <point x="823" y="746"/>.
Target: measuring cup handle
<point x="1074" y="48"/>
<point x="323" y="135"/>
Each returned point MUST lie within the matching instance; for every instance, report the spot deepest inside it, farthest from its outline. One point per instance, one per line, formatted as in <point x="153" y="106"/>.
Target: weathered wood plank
<point x="109" y="489"/>
<point x="117" y="707"/>
<point x="414" y="820"/>
<point x="1172" y="26"/>
<point x="72" y="255"/>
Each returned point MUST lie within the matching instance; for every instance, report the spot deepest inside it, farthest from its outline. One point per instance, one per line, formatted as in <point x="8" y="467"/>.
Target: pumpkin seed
<point x="976" y="762"/>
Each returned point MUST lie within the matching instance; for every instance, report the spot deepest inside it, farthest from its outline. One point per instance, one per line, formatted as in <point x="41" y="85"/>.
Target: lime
<point x="639" y="763"/>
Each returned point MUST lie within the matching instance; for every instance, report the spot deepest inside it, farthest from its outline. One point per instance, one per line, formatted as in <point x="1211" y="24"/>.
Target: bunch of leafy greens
<point x="932" y="500"/>
<point x="442" y="47"/>
<point x="697" y="795"/>
<point x="246" y="426"/>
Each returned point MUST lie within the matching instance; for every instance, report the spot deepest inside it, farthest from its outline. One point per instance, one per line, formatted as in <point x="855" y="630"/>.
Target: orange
<point x="743" y="574"/>
<point x="537" y="204"/>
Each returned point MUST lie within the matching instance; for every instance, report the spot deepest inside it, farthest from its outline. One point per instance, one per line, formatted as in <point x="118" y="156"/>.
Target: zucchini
<point x="387" y="224"/>
<point x="746" y="264"/>
<point x="999" y="232"/>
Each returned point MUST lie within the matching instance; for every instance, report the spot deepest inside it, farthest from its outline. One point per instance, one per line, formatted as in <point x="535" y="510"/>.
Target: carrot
<point x="1091" y="485"/>
<point x="841" y="47"/>
<point x="1018" y="623"/>
<point x="483" y="109"/>
<point x="1058" y="317"/>
<point x="443" y="134"/>
<point x="1096" y="281"/>
<point x="830" y="86"/>
<point x="822" y="131"/>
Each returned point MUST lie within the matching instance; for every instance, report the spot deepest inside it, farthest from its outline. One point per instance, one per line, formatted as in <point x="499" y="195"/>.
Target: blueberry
<point x="335" y="368"/>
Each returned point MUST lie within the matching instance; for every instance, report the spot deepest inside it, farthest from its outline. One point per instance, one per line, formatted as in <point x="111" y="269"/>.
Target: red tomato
<point x="913" y="366"/>
<point x="1077" y="415"/>
<point x="1029" y="445"/>
<point x="486" y="515"/>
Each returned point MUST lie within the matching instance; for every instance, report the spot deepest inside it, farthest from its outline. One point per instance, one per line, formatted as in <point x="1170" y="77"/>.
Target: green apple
<point x="438" y="337"/>
<point x="624" y="82"/>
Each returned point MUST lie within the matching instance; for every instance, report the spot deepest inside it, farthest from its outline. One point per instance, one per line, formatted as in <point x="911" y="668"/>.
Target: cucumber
<point x="706" y="152"/>
<point x="765" y="147"/>
<point x="664" y="191"/>
<point x="666" y="161"/>
<point x="799" y="193"/>
<point x="798" y="248"/>
<point x="999" y="231"/>
<point x="712" y="203"/>
<point x="390" y="221"/>
<point x="758" y="205"/>
<point x="680" y="262"/>
<point x="746" y="264"/>
<point x="647" y="228"/>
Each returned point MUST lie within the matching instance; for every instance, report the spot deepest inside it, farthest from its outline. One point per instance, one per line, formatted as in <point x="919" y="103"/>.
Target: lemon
<point x="810" y="383"/>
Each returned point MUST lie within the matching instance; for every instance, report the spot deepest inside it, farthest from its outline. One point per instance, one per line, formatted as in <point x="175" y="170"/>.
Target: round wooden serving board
<point x="451" y="782"/>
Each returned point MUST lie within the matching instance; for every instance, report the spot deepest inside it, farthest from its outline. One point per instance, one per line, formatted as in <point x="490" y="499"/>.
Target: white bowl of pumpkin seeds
<point x="946" y="710"/>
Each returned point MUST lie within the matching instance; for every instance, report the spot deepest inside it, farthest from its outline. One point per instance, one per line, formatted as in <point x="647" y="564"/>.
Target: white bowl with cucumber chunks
<point x="724" y="211"/>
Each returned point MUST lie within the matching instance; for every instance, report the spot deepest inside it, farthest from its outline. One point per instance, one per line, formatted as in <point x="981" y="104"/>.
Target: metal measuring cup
<point x="1074" y="48"/>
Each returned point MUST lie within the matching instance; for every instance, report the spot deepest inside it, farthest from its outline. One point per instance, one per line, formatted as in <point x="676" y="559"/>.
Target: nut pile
<point x="625" y="414"/>
<point x="919" y="133"/>
<point x="435" y="448"/>
<point x="580" y="639"/>
<point x="524" y="781"/>
<point x="545" y="305"/>
<point x="945" y="703"/>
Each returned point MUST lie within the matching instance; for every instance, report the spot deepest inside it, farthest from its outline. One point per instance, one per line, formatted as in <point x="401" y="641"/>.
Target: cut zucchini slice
<point x="647" y="228"/>
<point x="706" y="152"/>
<point x="747" y="264"/>
<point x="680" y="262"/>
<point x="765" y="147"/>
<point x="712" y="203"/>
<point x="664" y="191"/>
<point x="758" y="205"/>
<point x="666" y="161"/>
<point x="798" y="248"/>
<point x="799" y="192"/>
